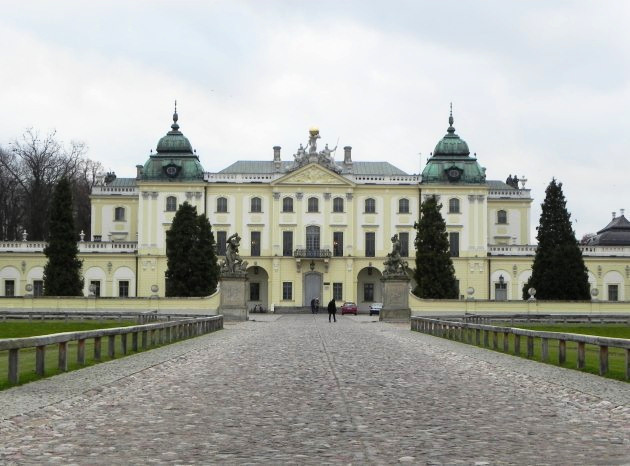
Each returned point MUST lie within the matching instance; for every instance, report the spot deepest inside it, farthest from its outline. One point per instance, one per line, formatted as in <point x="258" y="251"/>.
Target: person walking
<point x="332" y="310"/>
<point x="313" y="306"/>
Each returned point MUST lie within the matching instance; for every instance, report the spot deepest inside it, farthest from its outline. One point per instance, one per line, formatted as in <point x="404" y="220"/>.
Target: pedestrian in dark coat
<point x="332" y="310"/>
<point x="313" y="306"/>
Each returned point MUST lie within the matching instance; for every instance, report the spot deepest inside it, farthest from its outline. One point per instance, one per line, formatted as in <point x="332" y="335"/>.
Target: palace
<point x="312" y="226"/>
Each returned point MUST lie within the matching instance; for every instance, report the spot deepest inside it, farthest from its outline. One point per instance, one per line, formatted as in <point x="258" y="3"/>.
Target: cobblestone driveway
<point x="296" y="389"/>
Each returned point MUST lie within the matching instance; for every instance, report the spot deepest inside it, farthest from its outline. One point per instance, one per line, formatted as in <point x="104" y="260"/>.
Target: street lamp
<point x="501" y="280"/>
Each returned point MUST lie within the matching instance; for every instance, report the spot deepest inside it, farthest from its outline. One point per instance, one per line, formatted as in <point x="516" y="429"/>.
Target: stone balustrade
<point x="84" y="246"/>
<point x="150" y="335"/>
<point x="464" y="331"/>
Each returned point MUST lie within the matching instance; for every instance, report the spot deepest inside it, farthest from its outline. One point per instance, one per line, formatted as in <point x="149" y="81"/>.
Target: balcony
<point x="313" y="253"/>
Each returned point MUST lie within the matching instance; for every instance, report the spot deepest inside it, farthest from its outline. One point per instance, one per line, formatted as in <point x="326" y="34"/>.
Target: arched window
<point x="287" y="204"/>
<point x="256" y="204"/>
<point x="338" y="204"/>
<point x="313" y="204"/>
<point x="171" y="204"/>
<point x="119" y="213"/>
<point x="222" y="204"/>
<point x="501" y="216"/>
<point x="453" y="206"/>
<point x="370" y="206"/>
<point x="403" y="206"/>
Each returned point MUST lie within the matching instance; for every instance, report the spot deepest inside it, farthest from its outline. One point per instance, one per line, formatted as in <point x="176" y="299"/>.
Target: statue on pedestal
<point x="395" y="266"/>
<point x="233" y="263"/>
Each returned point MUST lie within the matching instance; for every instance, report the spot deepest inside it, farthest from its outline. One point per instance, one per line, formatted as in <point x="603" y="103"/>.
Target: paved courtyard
<point x="296" y="389"/>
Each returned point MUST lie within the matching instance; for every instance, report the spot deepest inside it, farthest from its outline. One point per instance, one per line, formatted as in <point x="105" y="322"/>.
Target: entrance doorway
<point x="500" y="291"/>
<point x="312" y="288"/>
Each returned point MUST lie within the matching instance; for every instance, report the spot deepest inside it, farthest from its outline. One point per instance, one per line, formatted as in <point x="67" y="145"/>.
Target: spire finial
<point x="175" y="126"/>
<point x="451" y="121"/>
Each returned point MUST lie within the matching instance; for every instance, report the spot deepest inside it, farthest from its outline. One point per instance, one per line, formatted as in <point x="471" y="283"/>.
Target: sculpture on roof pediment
<point x="309" y="154"/>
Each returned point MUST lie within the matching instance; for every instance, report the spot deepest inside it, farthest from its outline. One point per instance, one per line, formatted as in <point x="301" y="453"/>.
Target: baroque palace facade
<point x="313" y="227"/>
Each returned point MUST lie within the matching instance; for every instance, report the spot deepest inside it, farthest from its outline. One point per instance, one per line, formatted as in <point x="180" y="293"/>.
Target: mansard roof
<point x="251" y="167"/>
<point x="616" y="233"/>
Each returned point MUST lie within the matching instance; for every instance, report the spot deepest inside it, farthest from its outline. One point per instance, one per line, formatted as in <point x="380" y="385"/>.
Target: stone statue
<point x="395" y="266"/>
<point x="301" y="152"/>
<point x="312" y="140"/>
<point x="233" y="263"/>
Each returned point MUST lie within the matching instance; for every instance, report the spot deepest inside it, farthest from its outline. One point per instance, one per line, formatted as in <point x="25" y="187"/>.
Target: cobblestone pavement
<point x="296" y="389"/>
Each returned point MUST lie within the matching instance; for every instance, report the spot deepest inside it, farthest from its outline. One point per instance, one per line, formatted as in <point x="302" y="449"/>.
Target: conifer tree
<point x="434" y="274"/>
<point x="558" y="272"/>
<point x="192" y="268"/>
<point x="62" y="273"/>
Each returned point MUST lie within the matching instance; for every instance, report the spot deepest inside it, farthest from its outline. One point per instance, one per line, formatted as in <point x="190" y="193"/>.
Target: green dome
<point x="174" y="160"/>
<point x="174" y="141"/>
<point x="451" y="162"/>
<point x="451" y="143"/>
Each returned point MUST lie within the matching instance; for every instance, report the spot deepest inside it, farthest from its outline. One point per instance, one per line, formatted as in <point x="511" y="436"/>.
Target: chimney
<point x="277" y="163"/>
<point x="614" y="214"/>
<point x="347" y="155"/>
<point x="139" y="171"/>
<point x="621" y="212"/>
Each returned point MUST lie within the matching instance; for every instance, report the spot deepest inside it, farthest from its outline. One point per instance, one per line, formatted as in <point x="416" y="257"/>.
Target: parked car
<point x="349" y="308"/>
<point x="375" y="308"/>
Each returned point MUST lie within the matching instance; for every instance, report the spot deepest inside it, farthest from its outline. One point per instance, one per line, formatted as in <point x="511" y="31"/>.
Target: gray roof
<point x="496" y="184"/>
<point x="616" y="233"/>
<point x="123" y="183"/>
<point x="247" y="167"/>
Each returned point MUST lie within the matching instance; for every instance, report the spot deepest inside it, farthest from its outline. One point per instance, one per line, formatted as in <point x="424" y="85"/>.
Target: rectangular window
<point x="338" y="291"/>
<point x="287" y="243"/>
<point x="123" y="288"/>
<point x="370" y="243"/>
<point x="221" y="242"/>
<point x="368" y="292"/>
<point x="613" y="292"/>
<point x="338" y="243"/>
<point x="254" y="291"/>
<point x="97" y="287"/>
<point x="287" y="291"/>
<point x="255" y="246"/>
<point x="404" y="244"/>
<point x="9" y="288"/>
<point x="453" y="239"/>
<point x="38" y="287"/>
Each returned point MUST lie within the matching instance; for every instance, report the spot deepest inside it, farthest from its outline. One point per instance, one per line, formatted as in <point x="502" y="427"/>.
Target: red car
<point x="349" y="308"/>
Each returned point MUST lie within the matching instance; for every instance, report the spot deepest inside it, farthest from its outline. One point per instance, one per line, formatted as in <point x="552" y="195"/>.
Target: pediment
<point x="313" y="174"/>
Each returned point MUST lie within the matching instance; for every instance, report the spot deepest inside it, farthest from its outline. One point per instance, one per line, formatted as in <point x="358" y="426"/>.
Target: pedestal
<point x="395" y="299"/>
<point x="233" y="304"/>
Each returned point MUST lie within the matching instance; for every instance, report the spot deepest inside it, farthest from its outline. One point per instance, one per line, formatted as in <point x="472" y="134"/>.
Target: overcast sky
<point x="539" y="88"/>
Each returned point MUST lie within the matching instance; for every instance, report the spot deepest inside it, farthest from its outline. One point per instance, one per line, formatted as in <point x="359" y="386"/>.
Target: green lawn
<point x="24" y="328"/>
<point x="18" y="329"/>
<point x="616" y="356"/>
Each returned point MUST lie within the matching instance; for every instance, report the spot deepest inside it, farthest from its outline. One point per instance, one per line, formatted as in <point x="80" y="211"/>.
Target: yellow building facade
<point x="310" y="226"/>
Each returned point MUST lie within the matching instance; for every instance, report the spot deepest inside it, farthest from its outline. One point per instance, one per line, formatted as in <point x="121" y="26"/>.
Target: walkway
<point x="296" y="389"/>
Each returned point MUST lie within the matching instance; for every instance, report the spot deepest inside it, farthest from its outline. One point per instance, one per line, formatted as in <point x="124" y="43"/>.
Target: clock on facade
<point x="453" y="173"/>
<point x="171" y="170"/>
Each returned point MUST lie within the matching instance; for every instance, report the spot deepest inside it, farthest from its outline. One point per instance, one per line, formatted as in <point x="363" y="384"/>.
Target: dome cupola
<point x="451" y="143"/>
<point x="174" y="159"/>
<point x="451" y="161"/>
